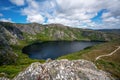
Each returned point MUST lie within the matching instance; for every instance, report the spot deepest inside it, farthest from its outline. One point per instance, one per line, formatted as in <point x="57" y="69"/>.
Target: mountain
<point x="13" y="37"/>
<point x="112" y="31"/>
<point x="34" y="31"/>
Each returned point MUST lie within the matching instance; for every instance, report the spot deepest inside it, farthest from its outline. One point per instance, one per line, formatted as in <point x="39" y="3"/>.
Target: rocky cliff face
<point x="7" y="56"/>
<point x="10" y="32"/>
<point x="63" y="70"/>
<point x="53" y="32"/>
<point x="9" y="35"/>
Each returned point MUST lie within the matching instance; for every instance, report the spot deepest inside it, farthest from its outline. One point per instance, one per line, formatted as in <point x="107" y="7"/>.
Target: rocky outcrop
<point x="32" y="28"/>
<point x="63" y="70"/>
<point x="3" y="78"/>
<point x="10" y="32"/>
<point x="7" y="56"/>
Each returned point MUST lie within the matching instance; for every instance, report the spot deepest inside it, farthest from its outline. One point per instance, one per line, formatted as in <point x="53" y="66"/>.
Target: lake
<point x="55" y="49"/>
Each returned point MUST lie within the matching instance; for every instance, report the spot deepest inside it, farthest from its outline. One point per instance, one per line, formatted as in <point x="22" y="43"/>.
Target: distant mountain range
<point x="112" y="31"/>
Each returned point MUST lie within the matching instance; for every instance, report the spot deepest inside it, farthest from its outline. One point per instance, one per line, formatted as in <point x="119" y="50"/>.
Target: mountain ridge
<point x="57" y="32"/>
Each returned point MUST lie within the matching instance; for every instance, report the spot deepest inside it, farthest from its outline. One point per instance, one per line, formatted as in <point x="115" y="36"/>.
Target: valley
<point x="59" y="39"/>
<point x="14" y="37"/>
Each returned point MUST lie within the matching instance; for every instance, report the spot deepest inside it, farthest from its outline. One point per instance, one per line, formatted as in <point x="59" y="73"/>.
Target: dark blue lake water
<point x="55" y="49"/>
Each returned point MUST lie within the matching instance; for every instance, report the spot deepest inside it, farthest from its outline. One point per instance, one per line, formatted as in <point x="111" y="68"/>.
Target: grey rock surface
<point x="3" y="78"/>
<point x="63" y="70"/>
<point x="7" y="56"/>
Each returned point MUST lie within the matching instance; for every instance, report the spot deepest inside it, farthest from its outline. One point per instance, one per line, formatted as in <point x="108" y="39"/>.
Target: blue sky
<point x="96" y="14"/>
<point x="11" y="11"/>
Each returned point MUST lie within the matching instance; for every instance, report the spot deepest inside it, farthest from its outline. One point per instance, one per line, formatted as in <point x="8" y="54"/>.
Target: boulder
<point x="63" y="70"/>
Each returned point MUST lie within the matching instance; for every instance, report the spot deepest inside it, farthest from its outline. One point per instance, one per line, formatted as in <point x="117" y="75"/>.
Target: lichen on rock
<point x="63" y="70"/>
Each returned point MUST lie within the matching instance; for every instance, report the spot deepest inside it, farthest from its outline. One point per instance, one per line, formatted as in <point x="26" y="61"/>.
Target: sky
<point x="92" y="14"/>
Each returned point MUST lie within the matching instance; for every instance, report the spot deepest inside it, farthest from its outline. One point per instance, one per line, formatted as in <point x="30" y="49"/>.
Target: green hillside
<point x="13" y="37"/>
<point x="110" y="64"/>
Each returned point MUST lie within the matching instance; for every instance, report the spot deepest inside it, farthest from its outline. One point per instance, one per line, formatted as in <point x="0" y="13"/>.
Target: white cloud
<point x="106" y="15"/>
<point x="32" y="12"/>
<point x="73" y="12"/>
<point x="6" y="8"/>
<point x="35" y="18"/>
<point x="1" y="14"/>
<point x="6" y="20"/>
<point x="111" y="19"/>
<point x="18" y="2"/>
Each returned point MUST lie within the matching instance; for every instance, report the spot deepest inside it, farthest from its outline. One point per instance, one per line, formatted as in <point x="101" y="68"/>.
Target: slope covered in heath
<point x="108" y="63"/>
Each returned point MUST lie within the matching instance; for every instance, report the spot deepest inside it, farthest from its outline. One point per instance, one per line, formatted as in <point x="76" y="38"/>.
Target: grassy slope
<point x="22" y="62"/>
<point x="110" y="64"/>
